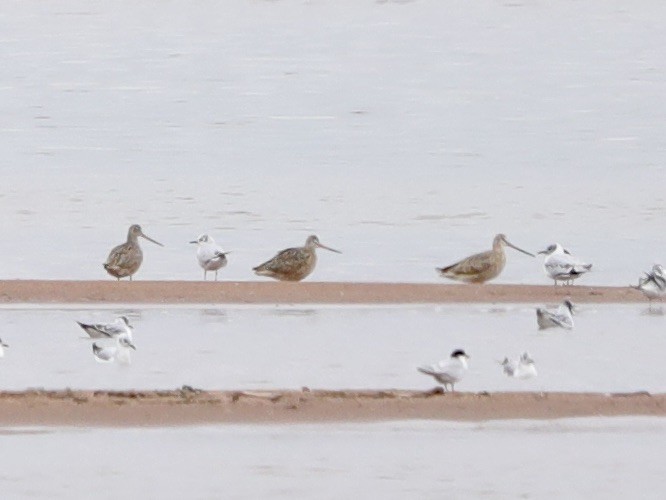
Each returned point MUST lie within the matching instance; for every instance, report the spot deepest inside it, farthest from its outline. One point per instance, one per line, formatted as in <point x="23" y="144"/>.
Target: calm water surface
<point x="576" y="458"/>
<point x="612" y="348"/>
<point x="407" y="134"/>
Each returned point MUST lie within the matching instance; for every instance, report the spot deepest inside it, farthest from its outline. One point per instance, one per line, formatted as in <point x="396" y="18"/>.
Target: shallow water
<point x="573" y="458"/>
<point x="406" y="134"/>
<point x="612" y="347"/>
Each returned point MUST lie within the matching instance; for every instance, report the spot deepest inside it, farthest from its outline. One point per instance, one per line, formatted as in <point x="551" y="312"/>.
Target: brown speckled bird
<point x="293" y="264"/>
<point x="480" y="267"/>
<point x="125" y="260"/>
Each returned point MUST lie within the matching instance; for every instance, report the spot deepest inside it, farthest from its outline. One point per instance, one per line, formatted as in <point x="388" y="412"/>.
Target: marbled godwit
<point x="3" y="346"/>
<point x="119" y="352"/>
<point x="293" y="264"/>
<point x="121" y="326"/>
<point x="653" y="284"/>
<point x="560" y="265"/>
<point x="211" y="257"/>
<point x="450" y="371"/>
<point x="481" y="267"/>
<point x="524" y="368"/>
<point x="562" y="317"/>
<point x="125" y="260"/>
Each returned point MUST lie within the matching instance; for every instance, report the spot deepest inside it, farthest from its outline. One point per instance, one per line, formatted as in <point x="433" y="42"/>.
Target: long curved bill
<point x="150" y="239"/>
<point x="519" y="249"/>
<point x="328" y="248"/>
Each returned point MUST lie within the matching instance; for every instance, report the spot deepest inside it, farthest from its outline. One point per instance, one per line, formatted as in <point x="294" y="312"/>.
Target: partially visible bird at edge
<point x="652" y="284"/>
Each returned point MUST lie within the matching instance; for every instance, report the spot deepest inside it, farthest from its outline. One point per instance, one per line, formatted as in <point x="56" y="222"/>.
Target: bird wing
<point x="546" y="319"/>
<point x="559" y="265"/>
<point x="286" y="261"/>
<point x="91" y="330"/>
<point x="563" y="320"/>
<point x="444" y="371"/>
<point x="472" y="265"/>
<point x="110" y="329"/>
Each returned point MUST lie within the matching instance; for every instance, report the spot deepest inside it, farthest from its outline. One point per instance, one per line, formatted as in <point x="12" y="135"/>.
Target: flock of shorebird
<point x="295" y="264"/>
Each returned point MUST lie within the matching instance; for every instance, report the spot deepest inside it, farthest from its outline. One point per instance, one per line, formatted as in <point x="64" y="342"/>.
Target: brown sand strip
<point x="249" y="292"/>
<point x="189" y="406"/>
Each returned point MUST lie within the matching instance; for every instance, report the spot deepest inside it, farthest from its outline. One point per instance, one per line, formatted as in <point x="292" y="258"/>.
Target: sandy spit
<point x="249" y="292"/>
<point x="190" y="406"/>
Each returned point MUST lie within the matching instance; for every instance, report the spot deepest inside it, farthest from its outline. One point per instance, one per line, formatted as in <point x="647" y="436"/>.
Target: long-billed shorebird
<point x="121" y="326"/>
<point x="562" y="317"/>
<point x="560" y="265"/>
<point x="449" y="371"/>
<point x="210" y="255"/>
<point x="481" y="267"/>
<point x="125" y="260"/>
<point x="293" y="264"/>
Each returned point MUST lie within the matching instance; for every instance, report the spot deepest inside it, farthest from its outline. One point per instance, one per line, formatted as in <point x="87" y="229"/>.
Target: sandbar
<point x="189" y="406"/>
<point x="260" y="292"/>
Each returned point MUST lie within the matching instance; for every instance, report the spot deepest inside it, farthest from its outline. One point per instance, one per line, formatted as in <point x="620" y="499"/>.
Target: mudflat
<point x="190" y="406"/>
<point x="255" y="292"/>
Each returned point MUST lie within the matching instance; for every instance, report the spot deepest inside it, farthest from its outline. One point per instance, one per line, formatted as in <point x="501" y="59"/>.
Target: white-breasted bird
<point x="210" y="255"/>
<point x="560" y="265"/>
<point x="653" y="284"/>
<point x="524" y="368"/>
<point x="450" y="371"/>
<point x="562" y="317"/>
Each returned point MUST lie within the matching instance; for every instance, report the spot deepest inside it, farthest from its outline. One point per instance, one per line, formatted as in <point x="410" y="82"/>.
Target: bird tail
<point x="443" y="270"/>
<point x="426" y="370"/>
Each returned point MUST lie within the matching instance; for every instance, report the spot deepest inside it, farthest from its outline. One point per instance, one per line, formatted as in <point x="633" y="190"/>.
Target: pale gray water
<point x="574" y="458"/>
<point x="404" y="133"/>
<point x="612" y="348"/>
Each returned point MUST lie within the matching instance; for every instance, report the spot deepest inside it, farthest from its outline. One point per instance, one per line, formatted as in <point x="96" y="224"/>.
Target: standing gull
<point x="293" y="264"/>
<point x="125" y="260"/>
<point x="481" y="267"/>
<point x="560" y="265"/>
<point x="211" y="257"/>
<point x="450" y="371"/>
<point x="562" y="317"/>
<point x="108" y="330"/>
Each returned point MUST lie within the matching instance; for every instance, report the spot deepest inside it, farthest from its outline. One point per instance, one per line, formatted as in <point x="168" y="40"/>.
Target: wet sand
<point x="249" y="292"/>
<point x="189" y="406"/>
